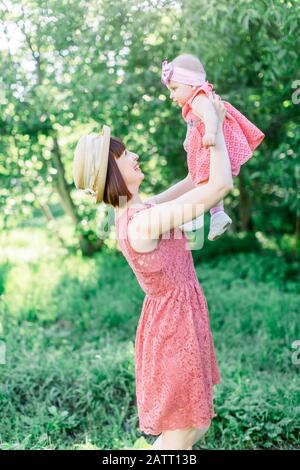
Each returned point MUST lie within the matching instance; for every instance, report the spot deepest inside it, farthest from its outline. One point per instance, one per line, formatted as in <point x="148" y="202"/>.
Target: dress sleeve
<point x="205" y="88"/>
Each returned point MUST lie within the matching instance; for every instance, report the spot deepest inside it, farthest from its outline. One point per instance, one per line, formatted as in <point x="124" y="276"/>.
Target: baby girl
<point x="185" y="77"/>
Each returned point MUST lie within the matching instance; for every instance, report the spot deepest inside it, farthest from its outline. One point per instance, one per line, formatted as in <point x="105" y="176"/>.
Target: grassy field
<point x="69" y="326"/>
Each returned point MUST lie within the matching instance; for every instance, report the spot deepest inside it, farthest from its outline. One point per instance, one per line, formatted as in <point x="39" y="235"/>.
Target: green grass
<point x="69" y="326"/>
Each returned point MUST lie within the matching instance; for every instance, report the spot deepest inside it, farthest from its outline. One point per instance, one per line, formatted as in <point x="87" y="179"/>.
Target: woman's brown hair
<point x="115" y="185"/>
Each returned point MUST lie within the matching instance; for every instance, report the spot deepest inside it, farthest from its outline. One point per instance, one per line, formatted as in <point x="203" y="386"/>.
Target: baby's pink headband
<point x="178" y="74"/>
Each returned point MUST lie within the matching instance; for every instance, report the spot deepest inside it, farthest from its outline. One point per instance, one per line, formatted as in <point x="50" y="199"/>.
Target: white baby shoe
<point x="194" y="224"/>
<point x="219" y="223"/>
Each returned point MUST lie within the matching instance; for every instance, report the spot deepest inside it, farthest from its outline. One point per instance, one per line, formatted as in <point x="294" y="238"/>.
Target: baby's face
<point x="179" y="92"/>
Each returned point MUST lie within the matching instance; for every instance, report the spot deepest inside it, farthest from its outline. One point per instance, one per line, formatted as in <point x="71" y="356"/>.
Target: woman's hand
<point x="209" y="139"/>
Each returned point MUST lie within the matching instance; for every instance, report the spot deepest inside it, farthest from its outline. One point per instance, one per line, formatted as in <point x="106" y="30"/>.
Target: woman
<point x="175" y="361"/>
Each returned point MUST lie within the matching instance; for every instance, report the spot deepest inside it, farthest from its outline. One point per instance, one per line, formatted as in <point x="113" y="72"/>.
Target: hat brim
<point x="103" y="158"/>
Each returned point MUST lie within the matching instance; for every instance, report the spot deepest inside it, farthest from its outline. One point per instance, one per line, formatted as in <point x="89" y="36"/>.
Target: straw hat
<point x="90" y="163"/>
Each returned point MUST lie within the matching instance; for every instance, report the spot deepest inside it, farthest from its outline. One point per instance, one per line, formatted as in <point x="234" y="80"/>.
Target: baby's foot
<point x="219" y="223"/>
<point x="194" y="224"/>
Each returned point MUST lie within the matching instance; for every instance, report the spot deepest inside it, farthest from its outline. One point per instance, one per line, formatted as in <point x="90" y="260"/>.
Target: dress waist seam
<point x="195" y="282"/>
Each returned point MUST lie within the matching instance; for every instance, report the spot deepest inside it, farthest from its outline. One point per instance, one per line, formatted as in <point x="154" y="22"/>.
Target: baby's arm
<point x="203" y="108"/>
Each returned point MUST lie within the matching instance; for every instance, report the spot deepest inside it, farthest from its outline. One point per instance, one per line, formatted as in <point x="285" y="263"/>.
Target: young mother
<point x="175" y="361"/>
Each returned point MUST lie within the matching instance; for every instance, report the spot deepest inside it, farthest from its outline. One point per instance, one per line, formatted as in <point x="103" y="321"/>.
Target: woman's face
<point x="129" y="168"/>
<point x="179" y="92"/>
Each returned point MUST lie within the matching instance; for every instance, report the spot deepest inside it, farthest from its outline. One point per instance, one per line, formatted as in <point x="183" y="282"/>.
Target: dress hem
<point x="189" y="424"/>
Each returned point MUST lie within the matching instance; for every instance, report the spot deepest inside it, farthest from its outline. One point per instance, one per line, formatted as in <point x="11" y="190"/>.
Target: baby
<point x="185" y="77"/>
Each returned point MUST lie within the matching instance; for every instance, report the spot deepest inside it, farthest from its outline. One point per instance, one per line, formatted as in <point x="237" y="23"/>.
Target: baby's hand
<point x="209" y="140"/>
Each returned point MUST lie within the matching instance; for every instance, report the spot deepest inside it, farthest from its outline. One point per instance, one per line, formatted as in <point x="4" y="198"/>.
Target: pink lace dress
<point x="241" y="137"/>
<point x="175" y="360"/>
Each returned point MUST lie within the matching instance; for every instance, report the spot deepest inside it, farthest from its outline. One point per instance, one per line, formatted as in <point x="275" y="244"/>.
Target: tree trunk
<point x="87" y="246"/>
<point x="297" y="233"/>
<point x="245" y="204"/>
<point x="48" y="214"/>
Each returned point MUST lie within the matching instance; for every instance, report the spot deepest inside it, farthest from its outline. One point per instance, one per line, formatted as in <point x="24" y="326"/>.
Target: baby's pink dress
<point x="241" y="137"/>
<point x="175" y="360"/>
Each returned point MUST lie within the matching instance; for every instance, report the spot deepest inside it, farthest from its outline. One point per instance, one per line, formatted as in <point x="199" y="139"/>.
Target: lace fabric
<point x="175" y="361"/>
<point x="241" y="137"/>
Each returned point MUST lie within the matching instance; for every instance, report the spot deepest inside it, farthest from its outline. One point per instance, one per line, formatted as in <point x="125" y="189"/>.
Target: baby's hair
<point x="189" y="62"/>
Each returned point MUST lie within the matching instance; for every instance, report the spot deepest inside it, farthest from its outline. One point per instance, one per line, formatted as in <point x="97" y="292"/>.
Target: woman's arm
<point x="174" y="191"/>
<point x="150" y="224"/>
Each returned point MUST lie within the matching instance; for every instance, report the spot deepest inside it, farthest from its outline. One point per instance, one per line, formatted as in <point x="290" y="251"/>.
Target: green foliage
<point x="69" y="325"/>
<point x="244" y="243"/>
<point x="77" y="65"/>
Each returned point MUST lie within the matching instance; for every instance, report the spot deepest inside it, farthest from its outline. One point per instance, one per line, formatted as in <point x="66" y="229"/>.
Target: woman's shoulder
<point x="138" y="244"/>
<point x="130" y="211"/>
<point x="135" y="243"/>
<point x="141" y="246"/>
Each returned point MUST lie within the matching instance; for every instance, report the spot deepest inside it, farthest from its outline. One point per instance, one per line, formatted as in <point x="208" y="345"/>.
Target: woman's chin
<point x="138" y="178"/>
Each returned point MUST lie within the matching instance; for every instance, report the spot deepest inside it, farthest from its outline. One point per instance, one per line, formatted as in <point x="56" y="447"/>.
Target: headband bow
<point x="181" y="75"/>
<point x="167" y="72"/>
